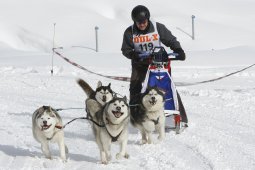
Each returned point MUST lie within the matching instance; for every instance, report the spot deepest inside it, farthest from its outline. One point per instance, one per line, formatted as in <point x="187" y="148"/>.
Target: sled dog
<point x="149" y="115"/>
<point x="46" y="127"/>
<point x="115" y="117"/>
<point x="96" y="99"/>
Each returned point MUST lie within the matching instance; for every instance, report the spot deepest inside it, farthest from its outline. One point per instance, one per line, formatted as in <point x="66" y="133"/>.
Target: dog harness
<point x="155" y="121"/>
<point x="58" y="127"/>
<point x="114" y="138"/>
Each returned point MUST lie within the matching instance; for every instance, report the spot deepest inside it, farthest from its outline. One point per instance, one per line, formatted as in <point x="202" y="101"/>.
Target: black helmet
<point x="140" y="13"/>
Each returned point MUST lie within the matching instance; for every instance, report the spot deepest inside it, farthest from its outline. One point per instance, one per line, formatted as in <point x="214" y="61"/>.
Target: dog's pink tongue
<point x="45" y="126"/>
<point x="118" y="114"/>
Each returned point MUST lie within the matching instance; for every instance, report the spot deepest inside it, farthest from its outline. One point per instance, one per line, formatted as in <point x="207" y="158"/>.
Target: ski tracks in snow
<point x="220" y="133"/>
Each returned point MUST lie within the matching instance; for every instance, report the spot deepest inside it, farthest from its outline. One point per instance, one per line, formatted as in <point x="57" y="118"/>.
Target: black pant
<point x="137" y="77"/>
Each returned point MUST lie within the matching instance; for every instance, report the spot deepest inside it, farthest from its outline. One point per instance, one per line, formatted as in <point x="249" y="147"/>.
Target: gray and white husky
<point x="46" y="127"/>
<point x="149" y="115"/>
<point x="96" y="99"/>
<point x="115" y="118"/>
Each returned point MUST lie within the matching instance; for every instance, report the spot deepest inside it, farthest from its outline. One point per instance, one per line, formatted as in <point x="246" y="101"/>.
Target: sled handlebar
<point x="145" y="55"/>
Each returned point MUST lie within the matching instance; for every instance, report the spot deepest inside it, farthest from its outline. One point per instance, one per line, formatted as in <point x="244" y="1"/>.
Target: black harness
<point x="155" y="121"/>
<point x="114" y="138"/>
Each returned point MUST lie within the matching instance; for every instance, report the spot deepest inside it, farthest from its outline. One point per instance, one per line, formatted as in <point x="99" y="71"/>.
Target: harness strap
<point x="114" y="138"/>
<point x="62" y="127"/>
<point x="133" y="105"/>
<point x="87" y="118"/>
<point x="58" y="127"/>
<point x="155" y="121"/>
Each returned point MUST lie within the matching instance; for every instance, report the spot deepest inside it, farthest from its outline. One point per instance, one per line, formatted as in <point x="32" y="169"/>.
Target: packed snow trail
<point x="220" y="133"/>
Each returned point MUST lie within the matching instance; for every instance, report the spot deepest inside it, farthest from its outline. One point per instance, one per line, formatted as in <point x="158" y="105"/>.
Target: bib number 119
<point x="146" y="47"/>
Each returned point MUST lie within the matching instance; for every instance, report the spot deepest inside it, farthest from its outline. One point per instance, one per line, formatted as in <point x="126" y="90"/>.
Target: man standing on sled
<point x="143" y="36"/>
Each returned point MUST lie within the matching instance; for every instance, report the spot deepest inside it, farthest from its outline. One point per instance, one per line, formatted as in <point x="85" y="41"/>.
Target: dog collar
<point x="58" y="127"/>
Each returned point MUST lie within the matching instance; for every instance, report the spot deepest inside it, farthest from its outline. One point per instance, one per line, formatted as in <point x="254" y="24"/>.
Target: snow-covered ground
<point x="221" y="114"/>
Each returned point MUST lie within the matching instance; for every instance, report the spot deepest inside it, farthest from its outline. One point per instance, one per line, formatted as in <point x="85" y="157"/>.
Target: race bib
<point x="146" y="42"/>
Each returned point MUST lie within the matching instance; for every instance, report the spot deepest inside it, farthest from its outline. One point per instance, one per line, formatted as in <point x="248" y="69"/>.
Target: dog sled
<point x="158" y="74"/>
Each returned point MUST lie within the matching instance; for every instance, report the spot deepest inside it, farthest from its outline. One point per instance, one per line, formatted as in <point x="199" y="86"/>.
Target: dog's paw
<point x="144" y="141"/>
<point x="161" y="138"/>
<point x="48" y="157"/>
<point x="126" y="155"/>
<point x="105" y="162"/>
<point x="150" y="141"/>
<point x="119" y="156"/>
<point x="64" y="160"/>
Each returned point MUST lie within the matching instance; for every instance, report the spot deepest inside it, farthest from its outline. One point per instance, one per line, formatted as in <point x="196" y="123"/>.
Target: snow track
<point x="220" y="133"/>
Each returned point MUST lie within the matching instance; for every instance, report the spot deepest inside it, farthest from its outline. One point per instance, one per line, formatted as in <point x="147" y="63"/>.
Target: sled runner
<point x="159" y="75"/>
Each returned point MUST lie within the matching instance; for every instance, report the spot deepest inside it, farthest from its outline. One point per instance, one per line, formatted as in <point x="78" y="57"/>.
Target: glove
<point x="134" y="56"/>
<point x="181" y="54"/>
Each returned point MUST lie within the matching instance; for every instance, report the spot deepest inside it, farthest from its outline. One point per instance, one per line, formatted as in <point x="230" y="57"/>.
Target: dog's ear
<point x="125" y="99"/>
<point x="99" y="84"/>
<point x="109" y="85"/>
<point x="52" y="112"/>
<point x="115" y="95"/>
<point x="45" y="107"/>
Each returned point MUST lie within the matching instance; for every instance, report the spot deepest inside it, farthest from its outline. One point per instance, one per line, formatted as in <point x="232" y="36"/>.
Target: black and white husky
<point x="149" y="115"/>
<point x="95" y="99"/>
<point x="115" y="118"/>
<point x="46" y="127"/>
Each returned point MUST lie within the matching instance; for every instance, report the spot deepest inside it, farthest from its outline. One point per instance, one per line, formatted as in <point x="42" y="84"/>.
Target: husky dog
<point x="149" y="115"/>
<point x="46" y="126"/>
<point x="96" y="99"/>
<point x="115" y="117"/>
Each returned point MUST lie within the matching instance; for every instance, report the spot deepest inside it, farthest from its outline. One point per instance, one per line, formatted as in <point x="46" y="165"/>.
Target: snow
<point x="221" y="113"/>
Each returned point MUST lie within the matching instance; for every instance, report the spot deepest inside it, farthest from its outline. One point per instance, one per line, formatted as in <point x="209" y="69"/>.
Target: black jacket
<point x="166" y="38"/>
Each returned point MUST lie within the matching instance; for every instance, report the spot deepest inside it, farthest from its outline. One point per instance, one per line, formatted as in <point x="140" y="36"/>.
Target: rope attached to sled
<point x="62" y="127"/>
<point x="216" y="79"/>
<point x="87" y="70"/>
<point x="128" y="78"/>
<point x="71" y="108"/>
<point x="83" y="118"/>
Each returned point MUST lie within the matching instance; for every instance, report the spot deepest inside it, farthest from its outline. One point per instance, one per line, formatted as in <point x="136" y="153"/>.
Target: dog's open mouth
<point x="45" y="127"/>
<point x="117" y="114"/>
<point x="153" y="102"/>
